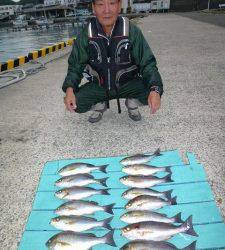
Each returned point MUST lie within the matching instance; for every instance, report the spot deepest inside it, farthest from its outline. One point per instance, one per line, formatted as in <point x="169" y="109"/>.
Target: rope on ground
<point x="36" y="69"/>
<point x="15" y="75"/>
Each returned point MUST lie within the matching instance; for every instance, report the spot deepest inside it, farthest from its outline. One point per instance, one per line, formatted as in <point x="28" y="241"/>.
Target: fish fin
<point x="177" y="218"/>
<point x="173" y="201"/>
<point x="106" y="223"/>
<point x="168" y="178"/>
<point x="168" y="194"/>
<point x="103" y="168"/>
<point x="168" y="170"/>
<point x="109" y="239"/>
<point x="108" y="208"/>
<point x="104" y="191"/>
<point x="192" y="246"/>
<point x="188" y="224"/>
<point x="157" y="152"/>
<point x="103" y="181"/>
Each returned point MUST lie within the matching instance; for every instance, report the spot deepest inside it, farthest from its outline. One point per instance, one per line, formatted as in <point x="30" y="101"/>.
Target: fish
<point x="154" y="245"/>
<point x="78" y="193"/>
<point x="139" y="216"/>
<point x="79" y="180"/>
<point x="80" y="168"/>
<point x="147" y="202"/>
<point x="134" y="192"/>
<point x="143" y="169"/>
<point x="83" y="241"/>
<point x="156" y="231"/>
<point x="139" y="158"/>
<point x="82" y="207"/>
<point x="78" y="223"/>
<point x="141" y="181"/>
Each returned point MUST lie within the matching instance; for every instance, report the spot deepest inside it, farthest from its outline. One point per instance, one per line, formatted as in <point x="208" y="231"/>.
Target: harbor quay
<point x="36" y="128"/>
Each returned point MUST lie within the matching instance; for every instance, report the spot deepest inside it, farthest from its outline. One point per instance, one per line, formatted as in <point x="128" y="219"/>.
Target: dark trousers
<point x="91" y="93"/>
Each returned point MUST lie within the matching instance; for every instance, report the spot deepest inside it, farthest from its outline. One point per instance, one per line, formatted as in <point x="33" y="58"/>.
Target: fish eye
<point x="57" y="219"/>
<point x="128" y="229"/>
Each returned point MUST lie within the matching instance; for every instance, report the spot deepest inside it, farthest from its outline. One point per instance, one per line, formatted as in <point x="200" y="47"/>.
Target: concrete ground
<point x="35" y="128"/>
<point x="216" y="17"/>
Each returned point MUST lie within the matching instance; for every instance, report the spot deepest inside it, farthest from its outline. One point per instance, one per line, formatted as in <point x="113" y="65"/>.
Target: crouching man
<point x="120" y="61"/>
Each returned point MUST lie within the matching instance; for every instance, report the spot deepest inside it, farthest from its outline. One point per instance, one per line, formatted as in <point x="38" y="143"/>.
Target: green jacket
<point x="141" y="52"/>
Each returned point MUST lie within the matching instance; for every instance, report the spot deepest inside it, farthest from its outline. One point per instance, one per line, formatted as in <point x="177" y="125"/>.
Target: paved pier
<point x="35" y="128"/>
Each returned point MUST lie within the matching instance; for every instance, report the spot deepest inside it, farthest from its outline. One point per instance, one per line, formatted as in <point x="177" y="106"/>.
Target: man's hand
<point x="70" y="100"/>
<point x="154" y="101"/>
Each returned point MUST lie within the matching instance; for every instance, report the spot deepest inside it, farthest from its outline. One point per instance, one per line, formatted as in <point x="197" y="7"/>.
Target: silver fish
<point x="157" y="231"/>
<point x="139" y="158"/>
<point x="139" y="216"/>
<point x="70" y="240"/>
<point x="147" y="202"/>
<point x="143" y="169"/>
<point x="141" y="181"/>
<point x="79" y="180"/>
<point x="82" y="207"/>
<point x="78" y="223"/>
<point x="78" y="193"/>
<point x="80" y="168"/>
<point x="154" y="245"/>
<point x="134" y="192"/>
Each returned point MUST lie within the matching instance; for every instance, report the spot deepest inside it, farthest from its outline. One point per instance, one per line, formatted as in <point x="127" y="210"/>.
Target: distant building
<point x="9" y="10"/>
<point x="190" y="5"/>
<point x="145" y="5"/>
<point x="60" y="2"/>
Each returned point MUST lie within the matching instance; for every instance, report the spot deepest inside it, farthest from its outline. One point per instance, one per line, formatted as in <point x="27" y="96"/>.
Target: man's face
<point x="106" y="11"/>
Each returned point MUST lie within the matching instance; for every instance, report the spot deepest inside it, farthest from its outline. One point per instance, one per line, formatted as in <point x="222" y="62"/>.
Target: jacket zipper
<point x="108" y="61"/>
<point x="118" y="49"/>
<point x="123" y="71"/>
<point x="98" y="50"/>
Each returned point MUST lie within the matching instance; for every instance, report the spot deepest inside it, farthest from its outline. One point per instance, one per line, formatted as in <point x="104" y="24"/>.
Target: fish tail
<point x="106" y="223"/>
<point x="109" y="239"/>
<point x="189" y="226"/>
<point x="108" y="208"/>
<point x="168" y="178"/>
<point x="104" y="191"/>
<point x="103" y="181"/>
<point x="102" y="168"/>
<point x="173" y="201"/>
<point x="177" y="218"/>
<point x="168" y="170"/>
<point x="192" y="246"/>
<point x="168" y="193"/>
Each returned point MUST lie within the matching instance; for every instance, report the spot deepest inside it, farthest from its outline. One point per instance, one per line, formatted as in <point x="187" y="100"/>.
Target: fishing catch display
<point x="144" y="227"/>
